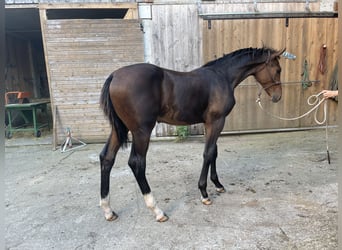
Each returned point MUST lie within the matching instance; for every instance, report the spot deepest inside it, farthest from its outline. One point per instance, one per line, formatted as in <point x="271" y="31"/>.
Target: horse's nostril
<point x="276" y="98"/>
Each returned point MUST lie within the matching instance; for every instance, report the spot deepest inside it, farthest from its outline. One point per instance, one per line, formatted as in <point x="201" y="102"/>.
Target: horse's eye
<point x="278" y="71"/>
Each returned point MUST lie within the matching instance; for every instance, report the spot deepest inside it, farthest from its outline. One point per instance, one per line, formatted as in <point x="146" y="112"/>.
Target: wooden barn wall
<point x="302" y="37"/>
<point x="80" y="55"/>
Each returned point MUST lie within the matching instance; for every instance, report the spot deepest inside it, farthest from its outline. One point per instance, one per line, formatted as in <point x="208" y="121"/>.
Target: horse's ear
<point x="275" y="54"/>
<point x="278" y="53"/>
<point x="269" y="57"/>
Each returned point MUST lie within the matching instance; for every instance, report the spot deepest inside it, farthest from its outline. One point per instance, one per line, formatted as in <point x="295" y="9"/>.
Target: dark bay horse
<point x="135" y="97"/>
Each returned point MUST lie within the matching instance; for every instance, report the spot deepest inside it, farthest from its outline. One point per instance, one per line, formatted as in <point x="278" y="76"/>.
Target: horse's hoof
<point x="112" y="216"/>
<point x="206" y="201"/>
<point x="220" y="190"/>
<point x="163" y="218"/>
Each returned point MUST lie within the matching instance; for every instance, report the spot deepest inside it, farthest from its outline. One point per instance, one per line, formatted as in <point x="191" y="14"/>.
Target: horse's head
<point x="268" y="75"/>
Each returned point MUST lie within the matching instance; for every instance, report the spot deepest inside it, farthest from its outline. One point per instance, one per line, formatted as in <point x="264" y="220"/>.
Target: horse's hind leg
<point x="137" y="162"/>
<point x="107" y="158"/>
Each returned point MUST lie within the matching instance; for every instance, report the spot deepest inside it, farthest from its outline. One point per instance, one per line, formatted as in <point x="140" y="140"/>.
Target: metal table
<point x="31" y="123"/>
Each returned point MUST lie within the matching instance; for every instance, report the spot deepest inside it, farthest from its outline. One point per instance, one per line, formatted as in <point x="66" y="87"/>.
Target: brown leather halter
<point x="273" y="83"/>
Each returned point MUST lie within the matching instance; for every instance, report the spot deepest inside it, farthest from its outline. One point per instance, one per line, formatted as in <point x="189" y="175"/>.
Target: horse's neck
<point x="238" y="68"/>
<point x="242" y="71"/>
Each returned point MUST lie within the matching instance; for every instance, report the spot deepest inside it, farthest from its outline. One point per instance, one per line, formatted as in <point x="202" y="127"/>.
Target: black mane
<point x="253" y="52"/>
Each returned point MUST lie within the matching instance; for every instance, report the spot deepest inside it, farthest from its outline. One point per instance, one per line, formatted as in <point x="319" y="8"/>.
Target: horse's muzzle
<point x="274" y="90"/>
<point x="276" y="98"/>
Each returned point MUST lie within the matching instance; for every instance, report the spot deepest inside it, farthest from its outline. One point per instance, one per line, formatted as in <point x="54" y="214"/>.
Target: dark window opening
<point x="86" y="13"/>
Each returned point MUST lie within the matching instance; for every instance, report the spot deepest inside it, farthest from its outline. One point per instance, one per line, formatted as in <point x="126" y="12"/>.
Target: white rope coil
<point x="313" y="100"/>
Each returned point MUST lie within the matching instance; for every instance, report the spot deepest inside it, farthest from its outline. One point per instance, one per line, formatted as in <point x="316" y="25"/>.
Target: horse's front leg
<point x="213" y="130"/>
<point x="213" y="174"/>
<point x="107" y="158"/>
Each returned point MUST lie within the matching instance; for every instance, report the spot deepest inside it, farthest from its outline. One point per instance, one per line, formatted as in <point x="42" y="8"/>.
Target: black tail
<point x="108" y="109"/>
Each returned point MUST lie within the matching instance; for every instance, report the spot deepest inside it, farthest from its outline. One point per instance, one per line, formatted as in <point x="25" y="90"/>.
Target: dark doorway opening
<point x="25" y="68"/>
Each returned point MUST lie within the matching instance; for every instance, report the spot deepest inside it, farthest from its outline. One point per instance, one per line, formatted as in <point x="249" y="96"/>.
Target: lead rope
<point x="314" y="100"/>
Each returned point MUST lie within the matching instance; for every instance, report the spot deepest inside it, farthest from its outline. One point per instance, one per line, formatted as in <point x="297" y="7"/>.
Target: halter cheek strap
<point x="273" y="83"/>
<point x="267" y="86"/>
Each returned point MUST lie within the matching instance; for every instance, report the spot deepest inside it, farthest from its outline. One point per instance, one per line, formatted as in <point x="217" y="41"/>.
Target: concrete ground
<point x="281" y="194"/>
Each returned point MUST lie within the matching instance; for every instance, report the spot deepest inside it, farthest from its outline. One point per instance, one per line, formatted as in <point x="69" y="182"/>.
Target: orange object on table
<point x="16" y="97"/>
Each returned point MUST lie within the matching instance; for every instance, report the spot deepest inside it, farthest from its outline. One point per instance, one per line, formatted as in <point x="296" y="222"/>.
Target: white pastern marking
<point x="105" y="204"/>
<point x="151" y="204"/>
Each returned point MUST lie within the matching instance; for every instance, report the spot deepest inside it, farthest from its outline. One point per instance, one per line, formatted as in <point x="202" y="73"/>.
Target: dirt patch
<point x="281" y="194"/>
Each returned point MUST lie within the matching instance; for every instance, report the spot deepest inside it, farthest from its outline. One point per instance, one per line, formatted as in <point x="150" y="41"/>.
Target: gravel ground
<point x="281" y="194"/>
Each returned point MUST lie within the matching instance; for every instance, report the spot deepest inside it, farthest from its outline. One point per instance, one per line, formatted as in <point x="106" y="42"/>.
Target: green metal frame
<point x="28" y="126"/>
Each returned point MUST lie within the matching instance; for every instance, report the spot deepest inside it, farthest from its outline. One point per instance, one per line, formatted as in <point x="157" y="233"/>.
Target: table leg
<point x="9" y="126"/>
<point x="34" y="116"/>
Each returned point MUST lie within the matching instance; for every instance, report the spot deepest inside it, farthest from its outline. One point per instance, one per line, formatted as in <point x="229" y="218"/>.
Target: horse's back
<point x="137" y="73"/>
<point x="141" y="80"/>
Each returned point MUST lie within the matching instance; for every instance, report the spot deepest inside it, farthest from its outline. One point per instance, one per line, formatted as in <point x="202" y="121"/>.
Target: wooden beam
<point x="267" y="15"/>
<point x="21" y="6"/>
<point x="43" y="20"/>
<point x="88" y="6"/>
<point x="131" y="14"/>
